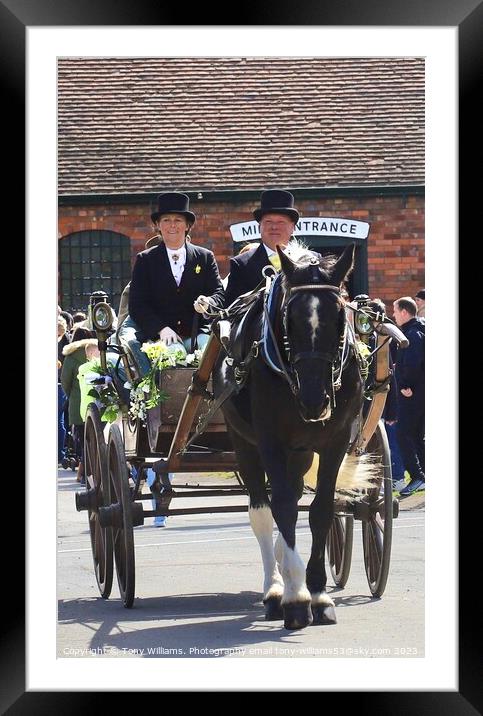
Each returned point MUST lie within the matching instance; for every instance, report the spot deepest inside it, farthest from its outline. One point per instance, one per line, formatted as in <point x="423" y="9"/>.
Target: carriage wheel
<point x="377" y="529"/>
<point x="122" y="530"/>
<point x="95" y="453"/>
<point x="339" y="548"/>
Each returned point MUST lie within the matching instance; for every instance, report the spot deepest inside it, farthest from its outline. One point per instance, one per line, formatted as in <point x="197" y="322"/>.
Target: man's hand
<point x="407" y="392"/>
<point x="201" y="304"/>
<point x="168" y="336"/>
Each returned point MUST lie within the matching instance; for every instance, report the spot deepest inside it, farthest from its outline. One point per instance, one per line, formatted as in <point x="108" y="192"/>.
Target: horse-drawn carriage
<point x="190" y="433"/>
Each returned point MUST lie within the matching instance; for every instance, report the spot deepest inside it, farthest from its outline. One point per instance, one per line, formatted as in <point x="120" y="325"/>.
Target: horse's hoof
<point x="273" y="609"/>
<point x="297" y="615"/>
<point x="324" y="614"/>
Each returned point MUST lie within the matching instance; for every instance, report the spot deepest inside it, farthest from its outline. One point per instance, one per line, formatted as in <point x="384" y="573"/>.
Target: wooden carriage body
<point x="212" y="449"/>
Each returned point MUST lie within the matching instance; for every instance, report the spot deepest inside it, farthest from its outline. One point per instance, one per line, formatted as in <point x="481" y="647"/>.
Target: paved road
<point x="198" y="593"/>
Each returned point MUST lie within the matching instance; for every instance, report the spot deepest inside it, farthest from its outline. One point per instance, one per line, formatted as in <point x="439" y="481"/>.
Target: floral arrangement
<point x="104" y="394"/>
<point x="144" y="393"/>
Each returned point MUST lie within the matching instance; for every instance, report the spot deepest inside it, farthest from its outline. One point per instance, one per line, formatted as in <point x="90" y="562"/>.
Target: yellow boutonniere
<point x="197" y="268"/>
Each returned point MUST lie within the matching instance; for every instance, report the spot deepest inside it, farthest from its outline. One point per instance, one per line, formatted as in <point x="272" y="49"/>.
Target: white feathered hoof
<point x="297" y="615"/>
<point x="323" y="614"/>
<point x="273" y="609"/>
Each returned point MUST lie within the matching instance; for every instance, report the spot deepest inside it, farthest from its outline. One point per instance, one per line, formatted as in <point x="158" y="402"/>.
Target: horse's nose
<point x="314" y="412"/>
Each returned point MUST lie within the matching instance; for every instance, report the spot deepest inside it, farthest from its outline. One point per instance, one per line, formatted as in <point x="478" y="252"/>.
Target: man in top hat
<point x="277" y="218"/>
<point x="173" y="281"/>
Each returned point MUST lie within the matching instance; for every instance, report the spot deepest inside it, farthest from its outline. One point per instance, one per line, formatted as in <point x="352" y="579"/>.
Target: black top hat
<point x="276" y="201"/>
<point x="173" y="203"/>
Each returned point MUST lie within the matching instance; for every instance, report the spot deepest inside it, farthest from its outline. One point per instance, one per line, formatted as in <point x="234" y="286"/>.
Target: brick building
<point x="345" y="135"/>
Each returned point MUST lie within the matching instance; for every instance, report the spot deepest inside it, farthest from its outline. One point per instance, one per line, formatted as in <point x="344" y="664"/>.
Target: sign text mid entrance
<point x="310" y="226"/>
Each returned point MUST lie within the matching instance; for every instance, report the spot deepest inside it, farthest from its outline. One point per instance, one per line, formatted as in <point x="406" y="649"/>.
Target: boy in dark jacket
<point x="409" y="374"/>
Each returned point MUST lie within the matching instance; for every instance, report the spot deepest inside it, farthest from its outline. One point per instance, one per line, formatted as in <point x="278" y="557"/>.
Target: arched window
<point x="92" y="261"/>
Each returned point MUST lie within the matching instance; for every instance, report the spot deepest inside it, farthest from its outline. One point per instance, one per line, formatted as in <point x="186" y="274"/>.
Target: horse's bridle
<point x="337" y="362"/>
<point x="320" y="355"/>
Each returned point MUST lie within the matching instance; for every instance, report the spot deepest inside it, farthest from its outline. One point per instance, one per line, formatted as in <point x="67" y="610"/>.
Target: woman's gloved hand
<point x="201" y="304"/>
<point x="168" y="336"/>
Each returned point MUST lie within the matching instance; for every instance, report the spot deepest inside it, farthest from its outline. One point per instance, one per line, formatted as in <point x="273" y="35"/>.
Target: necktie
<point x="275" y="261"/>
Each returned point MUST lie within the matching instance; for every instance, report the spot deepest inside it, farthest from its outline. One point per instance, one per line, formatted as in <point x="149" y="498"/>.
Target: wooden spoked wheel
<point x="95" y="466"/>
<point x="122" y="524"/>
<point x="339" y="548"/>
<point x="377" y="529"/>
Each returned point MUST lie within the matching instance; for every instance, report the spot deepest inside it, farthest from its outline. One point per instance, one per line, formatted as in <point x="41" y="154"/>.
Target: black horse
<point x="278" y="420"/>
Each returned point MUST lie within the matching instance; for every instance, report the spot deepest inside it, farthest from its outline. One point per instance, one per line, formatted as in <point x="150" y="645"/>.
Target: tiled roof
<point x="140" y="125"/>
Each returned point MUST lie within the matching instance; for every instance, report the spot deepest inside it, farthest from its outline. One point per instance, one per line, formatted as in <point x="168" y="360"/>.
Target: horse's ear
<point x="286" y="263"/>
<point x="344" y="265"/>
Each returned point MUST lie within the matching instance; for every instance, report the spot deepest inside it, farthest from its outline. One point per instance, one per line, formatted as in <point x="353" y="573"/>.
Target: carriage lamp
<point x="363" y="323"/>
<point x="102" y="317"/>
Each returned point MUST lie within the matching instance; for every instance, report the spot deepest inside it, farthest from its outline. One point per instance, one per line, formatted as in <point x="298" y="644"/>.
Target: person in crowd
<point x="420" y="301"/>
<point x="68" y="319"/>
<point x="410" y="378"/>
<point x="62" y="341"/>
<point x="277" y="217"/>
<point x="390" y="412"/>
<point x="78" y="317"/>
<point x="390" y="417"/>
<point x="74" y="356"/>
<point x="92" y="353"/>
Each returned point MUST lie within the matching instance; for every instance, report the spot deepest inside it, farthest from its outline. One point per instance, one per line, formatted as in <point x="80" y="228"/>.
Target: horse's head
<point x="314" y="321"/>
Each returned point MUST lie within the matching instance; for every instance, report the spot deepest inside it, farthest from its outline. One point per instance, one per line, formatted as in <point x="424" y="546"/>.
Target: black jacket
<point x="245" y="273"/>
<point x="410" y="360"/>
<point x="155" y="301"/>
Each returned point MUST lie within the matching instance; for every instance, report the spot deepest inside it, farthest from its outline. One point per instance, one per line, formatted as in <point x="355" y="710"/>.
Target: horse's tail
<point x="358" y="473"/>
<point x="355" y="474"/>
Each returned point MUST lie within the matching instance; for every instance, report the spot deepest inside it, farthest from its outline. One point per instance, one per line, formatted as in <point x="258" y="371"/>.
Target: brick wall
<point x="395" y="243"/>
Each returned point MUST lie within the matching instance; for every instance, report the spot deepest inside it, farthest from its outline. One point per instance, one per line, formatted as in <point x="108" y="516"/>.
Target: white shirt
<point x="269" y="251"/>
<point x="177" y="260"/>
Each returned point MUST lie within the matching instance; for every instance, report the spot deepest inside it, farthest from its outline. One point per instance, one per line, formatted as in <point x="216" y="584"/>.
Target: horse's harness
<point x="268" y="345"/>
<point x="241" y="367"/>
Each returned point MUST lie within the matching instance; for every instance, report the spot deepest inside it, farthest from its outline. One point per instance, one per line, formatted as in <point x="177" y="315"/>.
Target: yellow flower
<point x="197" y="268"/>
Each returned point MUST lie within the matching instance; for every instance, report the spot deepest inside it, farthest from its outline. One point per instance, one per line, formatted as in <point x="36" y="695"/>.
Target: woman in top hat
<point x="172" y="282"/>
<point x="277" y="218"/>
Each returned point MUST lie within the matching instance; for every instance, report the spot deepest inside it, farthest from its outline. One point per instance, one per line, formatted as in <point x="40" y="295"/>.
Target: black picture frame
<point x="15" y="17"/>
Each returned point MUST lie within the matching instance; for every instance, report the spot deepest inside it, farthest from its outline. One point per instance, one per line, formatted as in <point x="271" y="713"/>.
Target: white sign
<point x="307" y="226"/>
